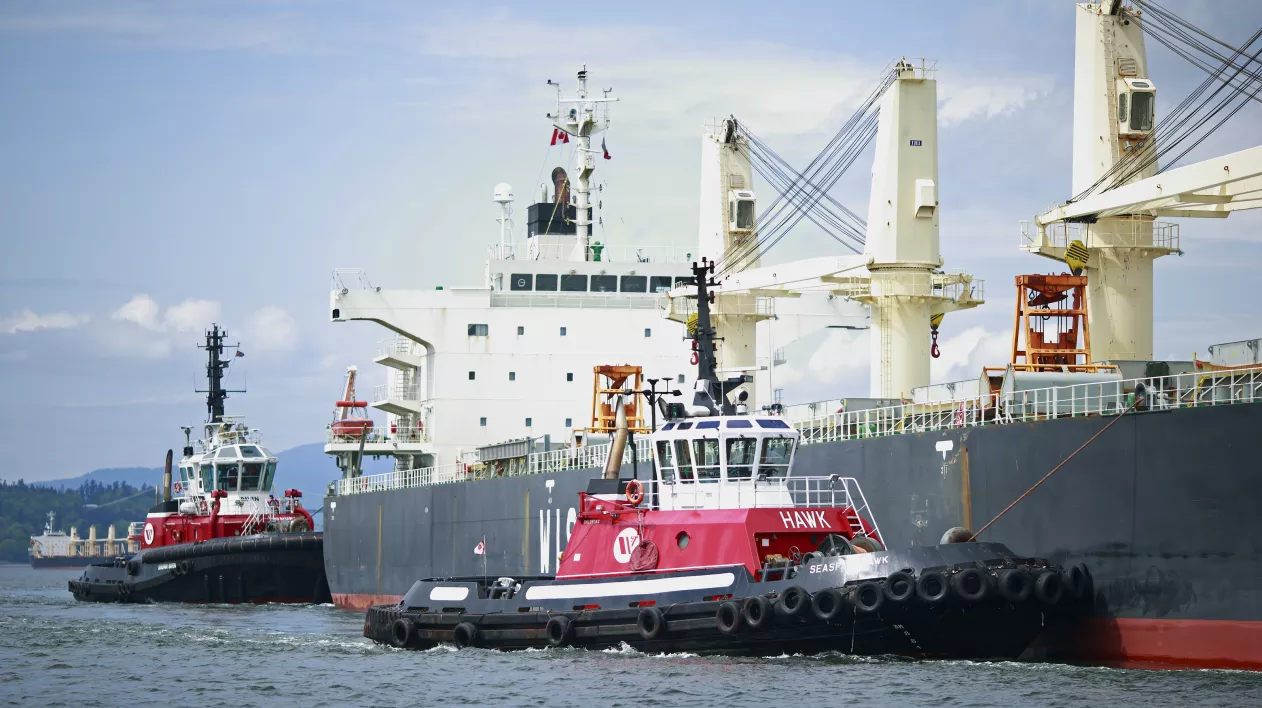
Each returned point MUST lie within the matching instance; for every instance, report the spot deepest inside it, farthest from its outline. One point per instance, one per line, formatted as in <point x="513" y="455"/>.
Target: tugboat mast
<point x="216" y="394"/>
<point x="711" y="393"/>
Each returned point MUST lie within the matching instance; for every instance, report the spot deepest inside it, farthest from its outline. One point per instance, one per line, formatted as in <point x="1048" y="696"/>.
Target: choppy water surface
<point x="56" y="652"/>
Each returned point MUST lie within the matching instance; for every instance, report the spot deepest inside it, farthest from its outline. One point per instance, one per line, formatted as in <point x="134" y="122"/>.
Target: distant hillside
<point x="24" y="509"/>
<point x="305" y="468"/>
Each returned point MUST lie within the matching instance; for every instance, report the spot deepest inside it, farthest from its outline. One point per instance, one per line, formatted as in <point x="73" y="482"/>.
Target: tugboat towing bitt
<point x="722" y="551"/>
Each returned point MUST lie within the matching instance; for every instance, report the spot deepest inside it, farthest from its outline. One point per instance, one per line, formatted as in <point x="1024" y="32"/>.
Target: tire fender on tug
<point x="650" y="623"/>
<point x="1049" y="588"/>
<point x="402" y="631"/>
<point x="932" y="588"/>
<point x="793" y="602"/>
<point x="970" y="585"/>
<point x="755" y="611"/>
<point x="900" y="586"/>
<point x="868" y="597"/>
<point x="464" y="635"/>
<point x="1015" y="585"/>
<point x="828" y="604"/>
<point x="559" y="630"/>
<point x="728" y="618"/>
<point x="1075" y="580"/>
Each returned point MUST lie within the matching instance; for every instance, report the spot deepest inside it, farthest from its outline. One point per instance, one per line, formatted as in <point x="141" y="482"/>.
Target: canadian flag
<point x="560" y="136"/>
<point x="480" y="549"/>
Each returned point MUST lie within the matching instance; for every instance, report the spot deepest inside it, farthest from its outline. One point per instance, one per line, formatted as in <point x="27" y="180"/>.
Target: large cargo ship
<point x="1153" y="460"/>
<point x="55" y="549"/>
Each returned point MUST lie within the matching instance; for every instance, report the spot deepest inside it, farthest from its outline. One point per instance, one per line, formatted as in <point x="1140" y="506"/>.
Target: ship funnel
<point x="619" y="444"/>
<point x="166" y="479"/>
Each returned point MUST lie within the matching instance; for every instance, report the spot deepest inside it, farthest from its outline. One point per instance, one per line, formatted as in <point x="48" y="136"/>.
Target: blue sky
<point x="168" y="163"/>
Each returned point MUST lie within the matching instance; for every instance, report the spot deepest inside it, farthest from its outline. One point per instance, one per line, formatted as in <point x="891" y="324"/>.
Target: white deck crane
<point x="1113" y="231"/>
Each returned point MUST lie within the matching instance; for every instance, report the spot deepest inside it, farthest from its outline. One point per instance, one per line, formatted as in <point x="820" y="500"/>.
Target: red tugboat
<point x="720" y="550"/>
<point x="222" y="536"/>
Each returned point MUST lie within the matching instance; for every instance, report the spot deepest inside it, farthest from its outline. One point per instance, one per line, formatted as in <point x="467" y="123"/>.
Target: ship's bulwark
<point x="1163" y="508"/>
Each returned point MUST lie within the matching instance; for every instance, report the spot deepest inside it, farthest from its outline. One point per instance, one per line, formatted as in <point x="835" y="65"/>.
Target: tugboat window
<point x="706" y="455"/>
<point x="604" y="283"/>
<point x="251" y="475"/>
<point x="546" y="281"/>
<point x="776" y="453"/>
<point x="520" y="281"/>
<point x="250" y="451"/>
<point x="665" y="461"/>
<point x="772" y="423"/>
<point x="739" y="424"/>
<point x="226" y="477"/>
<point x="740" y="457"/>
<point x="205" y="471"/>
<point x="685" y="462"/>
<point x="681" y="539"/>
<point x="271" y="473"/>
<point x="572" y="283"/>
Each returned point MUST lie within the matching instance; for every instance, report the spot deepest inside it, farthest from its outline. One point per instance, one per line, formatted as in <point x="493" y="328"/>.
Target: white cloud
<point x="191" y="315"/>
<point x="984" y="99"/>
<point x="28" y="321"/>
<point x="272" y="329"/>
<point x="141" y="310"/>
<point x="964" y="354"/>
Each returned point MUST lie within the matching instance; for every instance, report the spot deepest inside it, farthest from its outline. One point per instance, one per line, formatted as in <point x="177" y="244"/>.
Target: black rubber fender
<point x="464" y="635"/>
<point x="402" y="632"/>
<point x="970" y="585"/>
<point x="1049" y="588"/>
<point x="793" y="602"/>
<point x="932" y="588"/>
<point x="900" y="587"/>
<point x="828" y="605"/>
<point x="650" y="623"/>
<point x="560" y="631"/>
<point x="756" y="612"/>
<point x="868" y="597"/>
<point x="1015" y="585"/>
<point x="1075" y="580"/>
<point x="728" y="618"/>
<point x="133" y="566"/>
<point x="1087" y="593"/>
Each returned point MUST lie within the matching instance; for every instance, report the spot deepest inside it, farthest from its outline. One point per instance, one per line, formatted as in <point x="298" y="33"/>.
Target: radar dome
<point x="503" y="193"/>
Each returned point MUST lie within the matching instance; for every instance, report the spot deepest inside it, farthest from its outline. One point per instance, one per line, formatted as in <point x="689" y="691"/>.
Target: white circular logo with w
<point x="624" y="544"/>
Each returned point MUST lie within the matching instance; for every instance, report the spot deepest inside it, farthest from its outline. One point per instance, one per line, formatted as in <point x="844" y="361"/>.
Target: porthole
<point x="682" y="540"/>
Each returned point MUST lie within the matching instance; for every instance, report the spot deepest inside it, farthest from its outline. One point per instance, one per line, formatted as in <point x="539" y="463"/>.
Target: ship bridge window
<point x="706" y="455"/>
<point x="251" y="475"/>
<point x="184" y="474"/>
<point x="271" y="474"/>
<point x="250" y="451"/>
<point x="668" y="426"/>
<point x="740" y="457"/>
<point x="739" y="424"/>
<point x="707" y="424"/>
<point x="478" y="330"/>
<point x="684" y="460"/>
<point x="227" y="452"/>
<point x="205" y="472"/>
<point x="226" y="476"/>
<point x="1141" y="110"/>
<point x="635" y="283"/>
<point x="776" y="454"/>
<point x="665" y="461"/>
<point x="604" y="283"/>
<point x="659" y="283"/>
<point x="772" y="423"/>
<point x="573" y="283"/>
<point x="520" y="281"/>
<point x="546" y="281"/>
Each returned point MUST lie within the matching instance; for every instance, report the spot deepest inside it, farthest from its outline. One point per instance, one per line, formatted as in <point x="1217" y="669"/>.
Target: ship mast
<point x="582" y="117"/>
<point x="216" y="394"/>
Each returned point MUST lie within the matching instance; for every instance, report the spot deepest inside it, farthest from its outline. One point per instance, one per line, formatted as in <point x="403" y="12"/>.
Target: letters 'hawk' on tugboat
<point x="222" y="536"/>
<point x="722" y="551"/>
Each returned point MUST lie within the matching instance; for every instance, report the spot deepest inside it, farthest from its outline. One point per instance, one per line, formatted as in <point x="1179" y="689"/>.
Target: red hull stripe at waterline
<point x="362" y="601"/>
<point x="1217" y="644"/>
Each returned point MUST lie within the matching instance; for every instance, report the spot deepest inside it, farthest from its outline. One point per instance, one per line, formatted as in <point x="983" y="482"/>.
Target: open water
<point x="56" y="652"/>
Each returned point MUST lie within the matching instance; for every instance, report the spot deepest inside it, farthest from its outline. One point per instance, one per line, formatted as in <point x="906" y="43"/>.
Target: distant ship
<point x="56" y="549"/>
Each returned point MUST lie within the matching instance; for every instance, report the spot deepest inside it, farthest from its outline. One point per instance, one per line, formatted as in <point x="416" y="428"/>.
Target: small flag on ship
<point x="605" y="149"/>
<point x="560" y="136"/>
<point x="480" y="549"/>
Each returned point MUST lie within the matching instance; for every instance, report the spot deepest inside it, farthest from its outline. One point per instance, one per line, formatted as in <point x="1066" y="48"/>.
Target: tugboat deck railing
<point x="1188" y="390"/>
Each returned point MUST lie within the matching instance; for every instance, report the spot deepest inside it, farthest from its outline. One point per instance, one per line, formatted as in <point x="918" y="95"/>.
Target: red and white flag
<point x="560" y="136"/>
<point x="480" y="549"/>
<point x="605" y="149"/>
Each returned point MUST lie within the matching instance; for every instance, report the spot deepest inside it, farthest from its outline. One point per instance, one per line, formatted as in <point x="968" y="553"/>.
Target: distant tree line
<point x="24" y="511"/>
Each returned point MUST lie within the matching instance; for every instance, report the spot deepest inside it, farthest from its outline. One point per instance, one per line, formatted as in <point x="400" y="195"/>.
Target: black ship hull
<point x="284" y="568"/>
<point x="1161" y="507"/>
<point x="945" y="601"/>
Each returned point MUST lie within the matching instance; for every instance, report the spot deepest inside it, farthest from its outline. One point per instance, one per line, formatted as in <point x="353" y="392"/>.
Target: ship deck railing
<point x="377" y="434"/>
<point x="1186" y="390"/>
